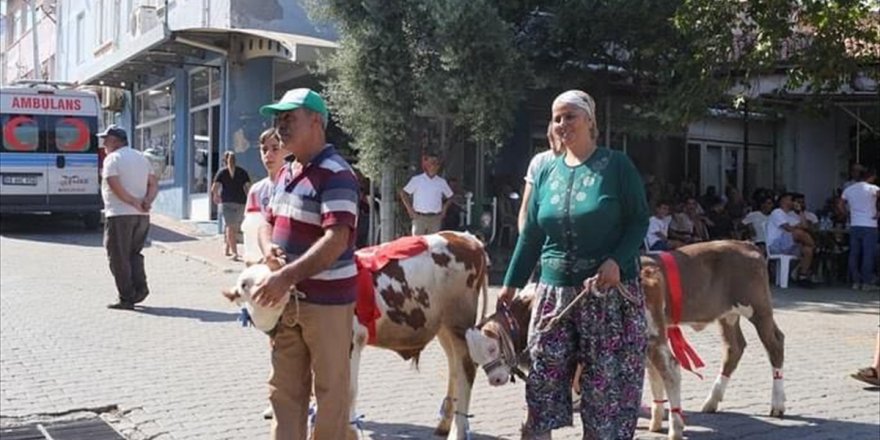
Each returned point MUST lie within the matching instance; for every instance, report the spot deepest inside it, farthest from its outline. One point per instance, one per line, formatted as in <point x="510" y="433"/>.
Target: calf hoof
<point x="777" y="412"/>
<point x="268" y="414"/>
<point x="710" y="406"/>
<point x="655" y="425"/>
<point x="441" y="431"/>
<point x="675" y="435"/>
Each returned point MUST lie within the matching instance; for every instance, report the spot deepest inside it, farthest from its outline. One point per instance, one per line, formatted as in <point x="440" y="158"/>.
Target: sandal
<point x="867" y="375"/>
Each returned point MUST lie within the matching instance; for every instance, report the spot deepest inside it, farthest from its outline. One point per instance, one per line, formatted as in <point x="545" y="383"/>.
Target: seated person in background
<point x="787" y="233"/>
<point x="687" y="225"/>
<point x="756" y="221"/>
<point x="719" y="223"/>
<point x="658" y="229"/>
<point x="800" y="205"/>
<point x="736" y="205"/>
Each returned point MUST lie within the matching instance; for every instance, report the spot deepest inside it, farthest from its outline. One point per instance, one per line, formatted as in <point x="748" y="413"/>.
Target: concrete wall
<point x="249" y="87"/>
<point x="731" y="130"/>
<point x="807" y="156"/>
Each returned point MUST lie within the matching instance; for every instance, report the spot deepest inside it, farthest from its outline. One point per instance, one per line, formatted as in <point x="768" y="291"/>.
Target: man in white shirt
<point x="787" y="233"/>
<point x="426" y="197"/>
<point x="861" y="198"/>
<point x="758" y="221"/>
<point x="128" y="187"/>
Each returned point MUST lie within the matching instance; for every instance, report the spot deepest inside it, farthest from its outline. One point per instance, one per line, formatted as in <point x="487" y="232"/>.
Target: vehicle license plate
<point x="20" y="179"/>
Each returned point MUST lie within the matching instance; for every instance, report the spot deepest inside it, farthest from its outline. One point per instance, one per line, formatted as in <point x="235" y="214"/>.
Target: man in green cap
<point x="310" y="230"/>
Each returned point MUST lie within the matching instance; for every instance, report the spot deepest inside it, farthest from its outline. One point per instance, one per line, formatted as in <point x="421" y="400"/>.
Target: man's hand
<point x="272" y="290"/>
<point x="275" y="258"/>
<point x="146" y="205"/>
<point x="217" y="200"/>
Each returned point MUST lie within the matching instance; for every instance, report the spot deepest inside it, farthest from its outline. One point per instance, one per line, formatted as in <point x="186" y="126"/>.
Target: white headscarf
<point x="579" y="99"/>
<point x="583" y="101"/>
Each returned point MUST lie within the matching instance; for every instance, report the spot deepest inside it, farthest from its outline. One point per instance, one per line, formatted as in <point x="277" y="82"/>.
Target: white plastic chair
<point x="648" y="250"/>
<point x="783" y="264"/>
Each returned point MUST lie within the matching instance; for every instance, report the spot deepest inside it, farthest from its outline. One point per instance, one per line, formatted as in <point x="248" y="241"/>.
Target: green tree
<point x="670" y="60"/>
<point x="449" y="59"/>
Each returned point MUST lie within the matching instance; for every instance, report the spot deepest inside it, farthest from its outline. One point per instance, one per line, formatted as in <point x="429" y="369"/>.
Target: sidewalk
<point x="180" y="237"/>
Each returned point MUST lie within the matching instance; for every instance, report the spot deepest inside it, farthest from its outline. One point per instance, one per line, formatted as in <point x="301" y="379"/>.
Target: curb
<point x="190" y="256"/>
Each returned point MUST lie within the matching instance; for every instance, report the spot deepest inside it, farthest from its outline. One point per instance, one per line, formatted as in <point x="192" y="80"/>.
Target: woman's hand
<point x="506" y="295"/>
<point x="608" y="275"/>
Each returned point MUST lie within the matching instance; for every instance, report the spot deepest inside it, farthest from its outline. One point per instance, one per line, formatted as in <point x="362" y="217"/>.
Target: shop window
<point x="156" y="103"/>
<point x="156" y="140"/>
<point x="199" y="85"/>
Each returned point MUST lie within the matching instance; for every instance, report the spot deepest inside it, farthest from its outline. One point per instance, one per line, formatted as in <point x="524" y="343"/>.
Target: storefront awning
<point x="255" y="43"/>
<point x="154" y="51"/>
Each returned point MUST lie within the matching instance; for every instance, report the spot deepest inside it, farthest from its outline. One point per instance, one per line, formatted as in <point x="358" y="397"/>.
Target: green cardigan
<point x="579" y="216"/>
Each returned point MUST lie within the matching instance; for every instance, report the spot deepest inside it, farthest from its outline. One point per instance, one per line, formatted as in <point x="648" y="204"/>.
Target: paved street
<point x="181" y="367"/>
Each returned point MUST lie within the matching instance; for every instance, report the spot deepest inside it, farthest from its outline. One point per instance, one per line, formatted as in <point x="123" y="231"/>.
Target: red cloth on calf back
<point x="371" y="260"/>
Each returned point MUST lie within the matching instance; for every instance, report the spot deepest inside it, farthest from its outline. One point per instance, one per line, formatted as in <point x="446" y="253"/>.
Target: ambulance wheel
<point x="92" y="220"/>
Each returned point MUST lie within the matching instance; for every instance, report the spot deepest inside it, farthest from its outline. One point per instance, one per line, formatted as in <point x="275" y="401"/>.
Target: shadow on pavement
<point x="158" y="233"/>
<point x="409" y="431"/>
<point x="714" y="426"/>
<point x="834" y="300"/>
<point x="178" y="312"/>
<point x="59" y="229"/>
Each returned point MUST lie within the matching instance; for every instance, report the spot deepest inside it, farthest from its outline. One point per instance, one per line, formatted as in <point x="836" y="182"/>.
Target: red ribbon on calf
<point x="371" y="260"/>
<point x="681" y="349"/>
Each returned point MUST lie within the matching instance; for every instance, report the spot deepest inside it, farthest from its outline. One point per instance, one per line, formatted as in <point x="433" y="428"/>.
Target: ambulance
<point x="49" y="151"/>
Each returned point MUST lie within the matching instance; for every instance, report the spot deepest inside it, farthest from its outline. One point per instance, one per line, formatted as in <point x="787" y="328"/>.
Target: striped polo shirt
<point x="307" y="200"/>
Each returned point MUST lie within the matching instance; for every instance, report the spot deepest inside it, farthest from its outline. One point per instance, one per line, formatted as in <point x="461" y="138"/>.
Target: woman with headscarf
<point x="585" y="222"/>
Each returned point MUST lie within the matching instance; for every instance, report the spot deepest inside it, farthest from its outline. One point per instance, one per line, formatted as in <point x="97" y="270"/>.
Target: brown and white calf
<point x="721" y="281"/>
<point x="432" y="294"/>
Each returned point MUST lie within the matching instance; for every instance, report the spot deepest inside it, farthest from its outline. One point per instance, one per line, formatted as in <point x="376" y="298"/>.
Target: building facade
<point x="27" y="38"/>
<point x="186" y="78"/>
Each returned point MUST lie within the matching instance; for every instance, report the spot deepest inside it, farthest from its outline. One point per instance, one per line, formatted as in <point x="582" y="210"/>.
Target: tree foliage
<point x="666" y="61"/>
<point x="398" y="59"/>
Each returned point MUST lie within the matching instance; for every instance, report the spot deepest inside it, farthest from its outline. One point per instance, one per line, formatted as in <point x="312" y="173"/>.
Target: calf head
<point x="264" y="318"/>
<point x="498" y="342"/>
<point x="484" y="346"/>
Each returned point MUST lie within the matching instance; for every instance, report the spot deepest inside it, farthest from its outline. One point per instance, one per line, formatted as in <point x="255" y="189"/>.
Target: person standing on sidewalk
<point x="128" y="187"/>
<point x="230" y="190"/>
<point x="861" y="198"/>
<point x="426" y="197"/>
<point x="311" y="225"/>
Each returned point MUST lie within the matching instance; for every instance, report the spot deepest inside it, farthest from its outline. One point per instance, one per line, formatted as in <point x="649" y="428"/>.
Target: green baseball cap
<point x="294" y="99"/>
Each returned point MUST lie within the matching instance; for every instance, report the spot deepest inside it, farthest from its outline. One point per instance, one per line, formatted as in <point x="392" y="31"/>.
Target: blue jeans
<point x="862" y="243"/>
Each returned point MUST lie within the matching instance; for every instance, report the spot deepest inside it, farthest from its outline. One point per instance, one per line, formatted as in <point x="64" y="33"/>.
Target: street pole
<point x="745" y="164"/>
<point x="33" y="5"/>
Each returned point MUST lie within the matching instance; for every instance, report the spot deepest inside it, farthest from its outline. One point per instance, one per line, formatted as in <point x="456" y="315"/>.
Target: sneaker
<point x="268" y="414"/>
<point x="121" y="306"/>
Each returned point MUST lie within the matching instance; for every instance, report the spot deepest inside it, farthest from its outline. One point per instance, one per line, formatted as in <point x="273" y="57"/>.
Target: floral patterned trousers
<point x="607" y="335"/>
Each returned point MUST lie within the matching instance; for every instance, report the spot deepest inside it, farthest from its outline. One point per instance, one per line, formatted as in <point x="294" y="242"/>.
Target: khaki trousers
<point x="313" y="343"/>
<point x="424" y="224"/>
